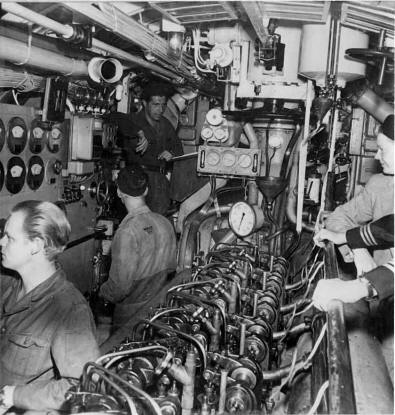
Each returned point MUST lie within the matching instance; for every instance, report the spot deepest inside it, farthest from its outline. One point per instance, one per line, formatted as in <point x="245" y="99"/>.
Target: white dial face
<point x="206" y="133"/>
<point x="245" y="161"/>
<point x="228" y="159"/>
<point x="213" y="158"/>
<point x="17" y="131"/>
<point x="38" y="132"/>
<point x="220" y="134"/>
<point x="56" y="133"/>
<point x="242" y="219"/>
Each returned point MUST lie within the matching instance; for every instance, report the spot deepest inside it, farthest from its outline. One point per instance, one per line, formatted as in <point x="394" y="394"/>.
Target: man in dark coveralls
<point x="157" y="144"/>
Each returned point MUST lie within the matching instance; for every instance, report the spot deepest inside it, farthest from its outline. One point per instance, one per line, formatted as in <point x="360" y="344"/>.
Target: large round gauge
<point x="17" y="135"/>
<point x="37" y="137"/>
<point x="242" y="219"/>
<point x="2" y="135"/>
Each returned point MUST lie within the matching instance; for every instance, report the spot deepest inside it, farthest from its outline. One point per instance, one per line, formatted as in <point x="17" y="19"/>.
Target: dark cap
<point x="388" y="127"/>
<point x="132" y="180"/>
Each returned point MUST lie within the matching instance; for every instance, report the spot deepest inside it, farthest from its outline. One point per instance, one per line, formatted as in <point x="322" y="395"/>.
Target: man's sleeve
<point x="382" y="279"/>
<point x="124" y="259"/>
<point x="74" y="345"/>
<point x="379" y="233"/>
<point x="358" y="211"/>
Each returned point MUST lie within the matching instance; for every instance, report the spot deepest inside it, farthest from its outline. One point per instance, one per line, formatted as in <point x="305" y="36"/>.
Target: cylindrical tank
<point x="314" y="53"/>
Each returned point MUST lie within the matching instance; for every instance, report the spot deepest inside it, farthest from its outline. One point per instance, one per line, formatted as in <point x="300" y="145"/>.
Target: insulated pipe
<point x="67" y="31"/>
<point x="251" y="136"/>
<point x="20" y="53"/>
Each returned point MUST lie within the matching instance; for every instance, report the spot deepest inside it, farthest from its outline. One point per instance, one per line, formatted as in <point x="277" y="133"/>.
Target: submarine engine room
<point x="276" y="107"/>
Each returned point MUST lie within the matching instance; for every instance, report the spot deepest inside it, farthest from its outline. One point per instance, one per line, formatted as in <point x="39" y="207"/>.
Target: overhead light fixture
<point x="175" y="36"/>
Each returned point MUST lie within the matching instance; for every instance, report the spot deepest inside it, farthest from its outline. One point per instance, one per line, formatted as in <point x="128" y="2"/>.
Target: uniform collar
<point x="49" y="286"/>
<point x="137" y="211"/>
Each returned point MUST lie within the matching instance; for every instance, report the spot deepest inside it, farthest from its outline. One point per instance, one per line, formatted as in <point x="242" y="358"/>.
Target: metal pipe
<point x="251" y="136"/>
<point x="19" y="52"/>
<point x="222" y="391"/>
<point x="23" y="12"/>
<point x="123" y="25"/>
<point x="188" y="390"/>
<point x="67" y="31"/>
<point x="243" y="328"/>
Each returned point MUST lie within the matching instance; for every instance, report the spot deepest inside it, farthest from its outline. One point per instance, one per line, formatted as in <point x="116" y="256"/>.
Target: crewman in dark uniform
<point x="156" y="145"/>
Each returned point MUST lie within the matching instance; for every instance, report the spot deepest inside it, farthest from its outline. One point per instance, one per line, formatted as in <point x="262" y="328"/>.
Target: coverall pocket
<point x="26" y="355"/>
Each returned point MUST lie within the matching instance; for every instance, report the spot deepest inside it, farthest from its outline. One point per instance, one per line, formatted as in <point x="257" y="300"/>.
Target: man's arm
<point x="74" y="345"/>
<point x="125" y="254"/>
<point x="382" y="280"/>
<point x="379" y="233"/>
<point x="356" y="212"/>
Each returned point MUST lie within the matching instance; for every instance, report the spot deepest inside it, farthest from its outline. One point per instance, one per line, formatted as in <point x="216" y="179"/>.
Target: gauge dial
<point x="245" y="161"/>
<point x="206" y="133"/>
<point x="54" y="140"/>
<point x="242" y="219"/>
<point x="228" y="159"/>
<point x="220" y="134"/>
<point x="17" y="135"/>
<point x="212" y="158"/>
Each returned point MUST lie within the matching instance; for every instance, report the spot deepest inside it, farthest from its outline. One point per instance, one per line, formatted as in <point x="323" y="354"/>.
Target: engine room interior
<point x="269" y="127"/>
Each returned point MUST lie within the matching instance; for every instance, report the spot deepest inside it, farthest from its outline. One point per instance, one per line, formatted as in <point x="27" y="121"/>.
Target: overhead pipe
<point x="126" y="27"/>
<point x="21" y="53"/>
<point x="66" y="31"/>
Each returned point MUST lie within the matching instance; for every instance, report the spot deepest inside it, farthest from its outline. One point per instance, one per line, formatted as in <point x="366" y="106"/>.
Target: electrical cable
<point x="318" y="398"/>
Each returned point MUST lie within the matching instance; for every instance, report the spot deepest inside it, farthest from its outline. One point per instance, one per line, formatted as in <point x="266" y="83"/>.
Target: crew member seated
<point x="47" y="328"/>
<point x="143" y="250"/>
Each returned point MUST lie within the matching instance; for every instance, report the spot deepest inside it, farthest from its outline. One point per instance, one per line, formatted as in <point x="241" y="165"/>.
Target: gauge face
<point x="228" y="159"/>
<point x="245" y="161"/>
<point x="206" y="133"/>
<point x="37" y="137"/>
<point x="212" y="158"/>
<point x="242" y="219"/>
<point x="220" y="134"/>
<point x="275" y="140"/>
<point x="54" y="139"/>
<point x="17" y="135"/>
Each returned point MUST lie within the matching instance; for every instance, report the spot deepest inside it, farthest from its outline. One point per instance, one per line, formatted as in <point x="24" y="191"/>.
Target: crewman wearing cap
<point x="373" y="202"/>
<point x="143" y="251"/>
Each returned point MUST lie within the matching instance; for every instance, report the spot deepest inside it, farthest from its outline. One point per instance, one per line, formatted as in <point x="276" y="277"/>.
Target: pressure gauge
<point x="206" y="133"/>
<point x="213" y="158"/>
<point x="228" y="159"/>
<point x="220" y="134"/>
<point x="245" y="161"/>
<point x="242" y="219"/>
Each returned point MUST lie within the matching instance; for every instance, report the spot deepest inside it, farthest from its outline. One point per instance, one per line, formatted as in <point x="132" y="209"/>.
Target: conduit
<point x="23" y="54"/>
<point x="67" y="31"/>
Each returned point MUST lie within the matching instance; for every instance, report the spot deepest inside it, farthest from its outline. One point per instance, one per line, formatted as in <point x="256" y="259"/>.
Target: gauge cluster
<point x="28" y="151"/>
<point x="229" y="161"/>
